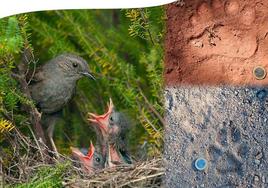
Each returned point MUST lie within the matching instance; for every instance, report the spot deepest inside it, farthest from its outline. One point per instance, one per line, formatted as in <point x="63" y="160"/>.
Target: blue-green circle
<point x="200" y="164"/>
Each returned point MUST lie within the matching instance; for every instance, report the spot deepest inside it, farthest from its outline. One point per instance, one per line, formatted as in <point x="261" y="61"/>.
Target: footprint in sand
<point x="228" y="152"/>
<point x="224" y="28"/>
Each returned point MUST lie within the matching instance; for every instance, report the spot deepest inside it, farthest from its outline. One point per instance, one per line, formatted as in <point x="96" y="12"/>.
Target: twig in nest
<point x="37" y="143"/>
<point x="1" y="173"/>
<point x="142" y="178"/>
<point x="142" y="174"/>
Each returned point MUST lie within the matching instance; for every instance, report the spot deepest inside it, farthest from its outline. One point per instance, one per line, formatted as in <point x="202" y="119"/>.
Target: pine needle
<point x="5" y="126"/>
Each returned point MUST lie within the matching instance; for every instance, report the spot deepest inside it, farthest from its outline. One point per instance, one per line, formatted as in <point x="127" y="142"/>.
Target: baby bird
<point x="91" y="161"/>
<point x="114" y="126"/>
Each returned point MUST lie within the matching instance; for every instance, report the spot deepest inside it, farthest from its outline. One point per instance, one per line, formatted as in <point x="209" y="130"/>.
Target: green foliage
<point x="5" y="126"/>
<point x="47" y="177"/>
<point x="12" y="39"/>
<point x="141" y="24"/>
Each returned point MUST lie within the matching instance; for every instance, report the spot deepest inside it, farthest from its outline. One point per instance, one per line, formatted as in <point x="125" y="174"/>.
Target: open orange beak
<point x="76" y="152"/>
<point x="91" y="151"/>
<point x="102" y="120"/>
<point x="85" y="160"/>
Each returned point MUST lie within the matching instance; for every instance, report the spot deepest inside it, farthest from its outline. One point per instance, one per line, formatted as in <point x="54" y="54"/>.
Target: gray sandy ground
<point x="225" y="125"/>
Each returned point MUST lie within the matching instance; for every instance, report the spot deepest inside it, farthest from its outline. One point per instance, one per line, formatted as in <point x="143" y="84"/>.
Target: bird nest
<point x="142" y="174"/>
<point x="28" y="160"/>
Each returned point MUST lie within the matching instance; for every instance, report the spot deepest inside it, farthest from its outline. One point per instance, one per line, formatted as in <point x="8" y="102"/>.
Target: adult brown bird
<point x="53" y="86"/>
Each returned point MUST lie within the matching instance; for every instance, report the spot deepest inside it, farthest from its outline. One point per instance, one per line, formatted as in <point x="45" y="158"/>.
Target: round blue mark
<point x="200" y="164"/>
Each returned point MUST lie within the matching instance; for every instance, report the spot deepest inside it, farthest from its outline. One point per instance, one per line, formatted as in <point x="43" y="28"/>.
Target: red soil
<point x="216" y="42"/>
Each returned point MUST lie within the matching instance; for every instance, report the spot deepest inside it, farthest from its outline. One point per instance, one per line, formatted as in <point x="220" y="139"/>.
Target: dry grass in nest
<point x="28" y="159"/>
<point x="141" y="174"/>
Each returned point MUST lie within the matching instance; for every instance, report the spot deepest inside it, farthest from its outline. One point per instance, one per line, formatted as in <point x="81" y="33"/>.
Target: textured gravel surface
<point x="227" y="126"/>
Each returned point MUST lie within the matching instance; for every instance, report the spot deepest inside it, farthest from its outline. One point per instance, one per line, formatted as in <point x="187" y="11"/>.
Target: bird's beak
<point x="110" y="105"/>
<point x="85" y="160"/>
<point x="76" y="152"/>
<point x="89" y="75"/>
<point x="102" y="120"/>
<point x="91" y="151"/>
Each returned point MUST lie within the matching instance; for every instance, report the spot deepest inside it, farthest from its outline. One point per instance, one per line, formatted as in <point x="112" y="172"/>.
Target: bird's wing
<point x="125" y="122"/>
<point x="125" y="156"/>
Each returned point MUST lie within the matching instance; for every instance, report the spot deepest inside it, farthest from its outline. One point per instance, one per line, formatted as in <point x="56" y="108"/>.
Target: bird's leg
<point x="50" y="131"/>
<point x="108" y="162"/>
<point x="107" y="155"/>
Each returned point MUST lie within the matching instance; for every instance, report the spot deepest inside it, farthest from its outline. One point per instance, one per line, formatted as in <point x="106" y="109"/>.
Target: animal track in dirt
<point x="227" y="152"/>
<point x="216" y="42"/>
<point x="216" y="32"/>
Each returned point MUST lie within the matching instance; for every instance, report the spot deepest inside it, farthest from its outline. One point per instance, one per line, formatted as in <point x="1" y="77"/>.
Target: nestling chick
<point x="91" y="161"/>
<point x="114" y="126"/>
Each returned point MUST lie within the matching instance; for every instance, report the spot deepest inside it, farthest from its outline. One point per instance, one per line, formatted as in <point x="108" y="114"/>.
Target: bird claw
<point x="38" y="114"/>
<point x="55" y="151"/>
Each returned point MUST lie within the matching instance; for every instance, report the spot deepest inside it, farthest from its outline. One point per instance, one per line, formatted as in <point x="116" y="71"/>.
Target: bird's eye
<point x="75" y="64"/>
<point x="98" y="159"/>
<point x="111" y="118"/>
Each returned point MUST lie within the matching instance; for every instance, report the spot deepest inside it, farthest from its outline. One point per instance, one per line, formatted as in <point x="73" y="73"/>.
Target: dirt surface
<point x="216" y="42"/>
<point x="225" y="125"/>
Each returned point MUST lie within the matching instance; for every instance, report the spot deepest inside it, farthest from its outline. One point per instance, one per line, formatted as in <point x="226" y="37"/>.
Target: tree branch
<point x="35" y="116"/>
<point x="161" y="119"/>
